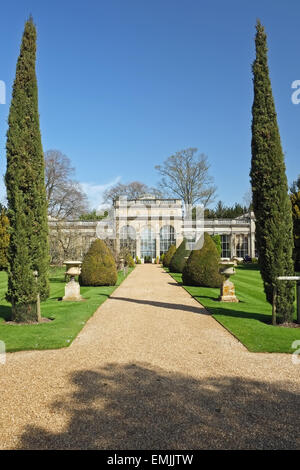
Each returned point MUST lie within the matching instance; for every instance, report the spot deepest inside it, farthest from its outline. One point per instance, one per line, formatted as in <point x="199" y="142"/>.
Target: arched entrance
<point x="148" y="242"/>
<point x="167" y="238"/>
<point x="128" y="239"/>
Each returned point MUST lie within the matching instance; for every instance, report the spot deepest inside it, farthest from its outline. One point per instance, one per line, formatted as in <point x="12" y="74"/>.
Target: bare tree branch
<point x="66" y="198"/>
<point x="185" y="175"/>
<point x="132" y="190"/>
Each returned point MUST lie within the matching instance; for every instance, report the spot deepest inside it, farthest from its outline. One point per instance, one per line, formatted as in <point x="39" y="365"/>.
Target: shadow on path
<point x="134" y="406"/>
<point x="154" y="303"/>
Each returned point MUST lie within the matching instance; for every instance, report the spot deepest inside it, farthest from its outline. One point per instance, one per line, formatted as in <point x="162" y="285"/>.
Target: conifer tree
<point x="25" y="184"/>
<point x="178" y="260"/>
<point x="271" y="203"/>
<point x="295" y="200"/>
<point x="4" y="238"/>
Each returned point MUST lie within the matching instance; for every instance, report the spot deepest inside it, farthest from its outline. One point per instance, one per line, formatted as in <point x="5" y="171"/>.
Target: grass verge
<point x="68" y="318"/>
<point x="250" y="319"/>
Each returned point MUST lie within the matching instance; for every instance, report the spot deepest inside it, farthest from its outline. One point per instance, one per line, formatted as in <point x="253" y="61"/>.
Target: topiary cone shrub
<point x="168" y="256"/>
<point x="202" y="266"/>
<point x="129" y="261"/>
<point x="178" y="260"/>
<point x="98" y="266"/>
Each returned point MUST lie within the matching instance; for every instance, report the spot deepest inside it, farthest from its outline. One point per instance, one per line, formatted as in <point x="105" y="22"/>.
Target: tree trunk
<point x="274" y="306"/>
<point x="24" y="313"/>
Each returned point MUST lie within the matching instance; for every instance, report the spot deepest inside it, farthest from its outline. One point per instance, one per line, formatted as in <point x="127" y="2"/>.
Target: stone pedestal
<point x="228" y="292"/>
<point x="72" y="291"/>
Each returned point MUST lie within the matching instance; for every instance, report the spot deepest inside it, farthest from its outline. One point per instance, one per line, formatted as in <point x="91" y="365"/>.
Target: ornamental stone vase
<point x="227" y="293"/>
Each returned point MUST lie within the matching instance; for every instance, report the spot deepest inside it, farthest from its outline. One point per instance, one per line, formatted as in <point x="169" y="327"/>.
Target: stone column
<point x="233" y="245"/>
<point x="138" y="246"/>
<point x="157" y="246"/>
<point x="252" y="238"/>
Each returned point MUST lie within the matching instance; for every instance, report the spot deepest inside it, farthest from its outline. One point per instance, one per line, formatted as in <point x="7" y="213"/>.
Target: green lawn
<point x="68" y="317"/>
<point x="249" y="320"/>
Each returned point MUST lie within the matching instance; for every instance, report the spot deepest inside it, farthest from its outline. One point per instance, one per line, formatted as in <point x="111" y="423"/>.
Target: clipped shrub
<point x="98" y="266"/>
<point x="137" y="260"/>
<point x="202" y="266"/>
<point x="178" y="260"/>
<point x="162" y="258"/>
<point x="147" y="259"/>
<point x="217" y="241"/>
<point x="168" y="256"/>
<point x="129" y="261"/>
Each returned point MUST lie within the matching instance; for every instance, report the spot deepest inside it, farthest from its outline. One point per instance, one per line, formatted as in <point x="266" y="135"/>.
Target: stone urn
<point x="72" y="288"/>
<point x="227" y="289"/>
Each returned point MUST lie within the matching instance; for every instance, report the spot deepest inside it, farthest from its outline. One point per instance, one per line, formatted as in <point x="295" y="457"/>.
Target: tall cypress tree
<point x="25" y="183"/>
<point x="271" y="203"/>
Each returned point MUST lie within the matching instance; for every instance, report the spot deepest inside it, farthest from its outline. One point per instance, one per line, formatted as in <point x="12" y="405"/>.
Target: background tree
<point x="66" y="199"/>
<point x="272" y="206"/>
<point x="132" y="190"/>
<point x="295" y="187"/>
<point x="25" y="184"/>
<point x="295" y="200"/>
<point x="247" y="198"/>
<point x="218" y="242"/>
<point x="225" y="212"/>
<point x="92" y="215"/>
<point x="185" y="175"/>
<point x="4" y="238"/>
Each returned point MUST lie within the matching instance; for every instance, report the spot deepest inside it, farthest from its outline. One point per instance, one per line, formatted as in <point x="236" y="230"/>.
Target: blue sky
<point x="123" y="84"/>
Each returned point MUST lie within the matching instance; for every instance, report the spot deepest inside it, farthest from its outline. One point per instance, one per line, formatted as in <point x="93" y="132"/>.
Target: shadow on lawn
<point x="247" y="267"/>
<point x="55" y="280"/>
<point x="139" y="406"/>
<point x="5" y="312"/>
<point x="264" y="318"/>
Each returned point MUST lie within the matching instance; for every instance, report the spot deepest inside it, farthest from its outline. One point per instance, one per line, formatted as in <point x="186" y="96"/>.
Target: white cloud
<point x="95" y="192"/>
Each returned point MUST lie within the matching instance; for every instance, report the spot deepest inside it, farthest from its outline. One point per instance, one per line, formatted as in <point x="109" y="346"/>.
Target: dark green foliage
<point x="129" y="261"/>
<point x="90" y="216"/>
<point x="295" y="200"/>
<point x="202" y="266"/>
<point x="147" y="259"/>
<point x="271" y="204"/>
<point x="217" y="240"/>
<point x="25" y="183"/>
<point x="4" y="238"/>
<point x="178" y="259"/>
<point x="295" y="187"/>
<point x="98" y="266"/>
<point x="225" y="212"/>
<point x="168" y="256"/>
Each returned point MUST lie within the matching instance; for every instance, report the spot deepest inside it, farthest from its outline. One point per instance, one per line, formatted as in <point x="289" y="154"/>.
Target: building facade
<point x="147" y="227"/>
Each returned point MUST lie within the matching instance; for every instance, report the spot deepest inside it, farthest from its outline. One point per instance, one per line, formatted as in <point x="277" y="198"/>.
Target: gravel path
<point x="150" y="370"/>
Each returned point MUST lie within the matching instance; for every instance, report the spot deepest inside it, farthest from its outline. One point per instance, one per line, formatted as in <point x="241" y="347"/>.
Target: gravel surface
<point x="150" y="370"/>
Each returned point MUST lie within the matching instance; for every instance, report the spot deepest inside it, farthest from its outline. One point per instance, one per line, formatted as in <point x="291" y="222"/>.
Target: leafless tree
<point x="247" y="198"/>
<point x="66" y="198"/>
<point x="186" y="176"/>
<point x="132" y="190"/>
<point x="65" y="242"/>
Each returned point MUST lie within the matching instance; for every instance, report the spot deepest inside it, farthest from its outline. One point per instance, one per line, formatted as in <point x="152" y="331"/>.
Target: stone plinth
<point x="72" y="291"/>
<point x="228" y="292"/>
